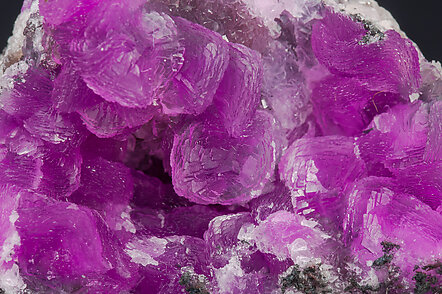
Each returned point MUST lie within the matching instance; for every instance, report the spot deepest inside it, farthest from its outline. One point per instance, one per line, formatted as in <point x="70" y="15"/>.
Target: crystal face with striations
<point x="251" y="146"/>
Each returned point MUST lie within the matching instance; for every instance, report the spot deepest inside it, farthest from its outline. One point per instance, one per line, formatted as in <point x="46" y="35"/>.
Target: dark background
<point x="420" y="20"/>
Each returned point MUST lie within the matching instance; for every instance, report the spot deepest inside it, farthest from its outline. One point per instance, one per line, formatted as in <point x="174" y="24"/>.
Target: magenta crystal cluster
<point x="218" y="146"/>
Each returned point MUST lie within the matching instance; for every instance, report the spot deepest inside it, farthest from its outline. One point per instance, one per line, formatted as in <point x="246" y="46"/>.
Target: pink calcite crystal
<point x="218" y="146"/>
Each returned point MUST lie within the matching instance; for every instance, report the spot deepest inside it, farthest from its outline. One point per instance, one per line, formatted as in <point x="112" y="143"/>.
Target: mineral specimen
<point x="192" y="146"/>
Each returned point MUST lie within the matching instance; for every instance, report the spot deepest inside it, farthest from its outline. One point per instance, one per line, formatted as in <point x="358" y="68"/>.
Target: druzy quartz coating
<point x="192" y="146"/>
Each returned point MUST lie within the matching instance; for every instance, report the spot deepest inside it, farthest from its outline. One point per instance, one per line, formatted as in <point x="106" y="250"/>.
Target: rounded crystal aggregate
<point x="217" y="146"/>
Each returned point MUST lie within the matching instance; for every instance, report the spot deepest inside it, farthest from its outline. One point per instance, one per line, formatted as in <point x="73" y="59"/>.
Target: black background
<point x="420" y="20"/>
